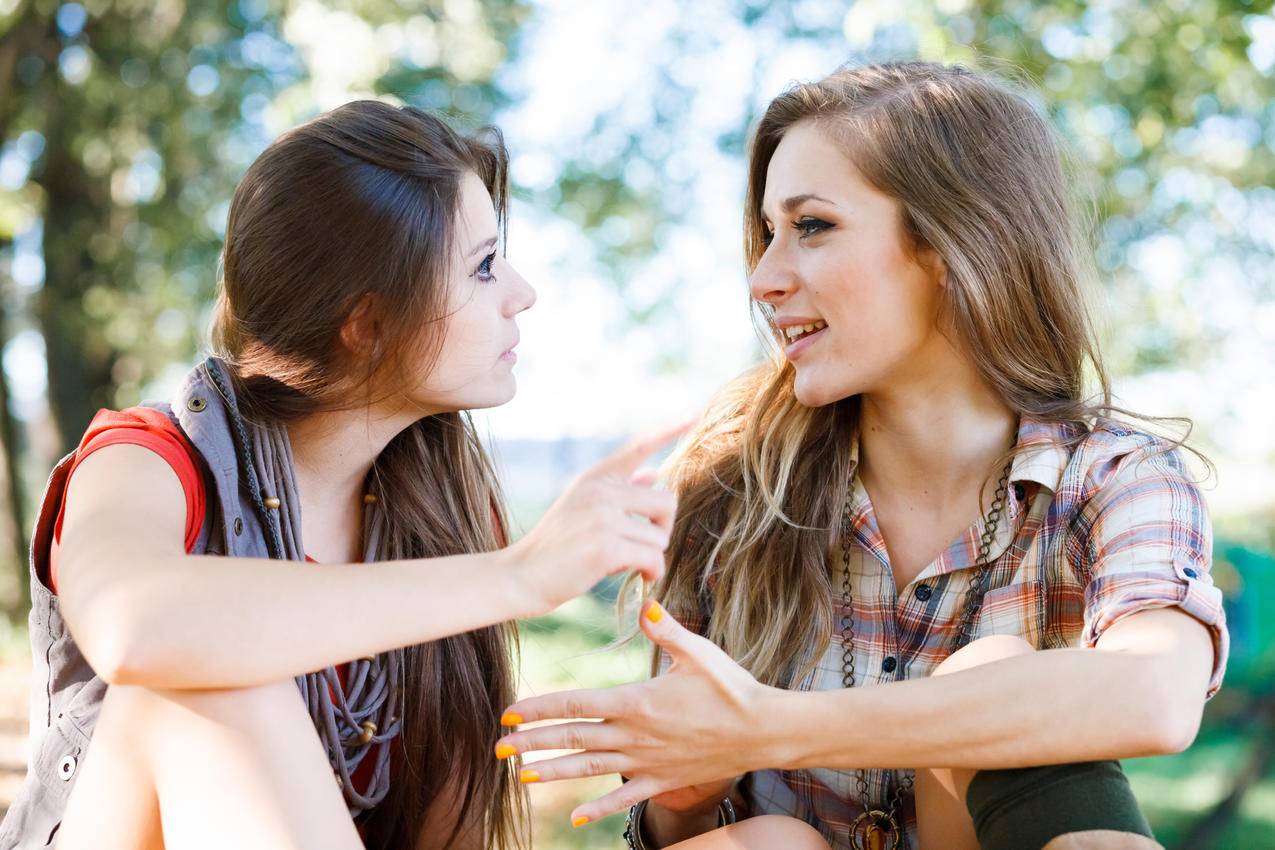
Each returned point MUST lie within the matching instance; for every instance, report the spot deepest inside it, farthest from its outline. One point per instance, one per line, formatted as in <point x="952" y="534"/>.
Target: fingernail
<point x="529" y="776"/>
<point x="580" y="821"/>
<point x="504" y="751"/>
<point x="654" y="612"/>
<point x="510" y="718"/>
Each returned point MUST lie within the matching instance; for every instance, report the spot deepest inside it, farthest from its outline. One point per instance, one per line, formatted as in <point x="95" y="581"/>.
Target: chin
<point x="496" y="397"/>
<point x="811" y="392"/>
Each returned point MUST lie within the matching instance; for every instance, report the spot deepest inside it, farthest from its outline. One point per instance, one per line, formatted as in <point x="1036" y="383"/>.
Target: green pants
<point x="1026" y="808"/>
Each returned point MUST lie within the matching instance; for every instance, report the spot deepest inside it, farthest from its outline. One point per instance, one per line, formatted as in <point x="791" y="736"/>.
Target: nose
<point x="773" y="279"/>
<point x="521" y="294"/>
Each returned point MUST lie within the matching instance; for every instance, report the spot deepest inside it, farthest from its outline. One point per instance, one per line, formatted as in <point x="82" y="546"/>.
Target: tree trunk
<point x="77" y="206"/>
<point x="14" y="449"/>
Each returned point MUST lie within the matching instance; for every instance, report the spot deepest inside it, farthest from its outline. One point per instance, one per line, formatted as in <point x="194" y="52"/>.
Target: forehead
<point x="808" y="161"/>
<point x="477" y="213"/>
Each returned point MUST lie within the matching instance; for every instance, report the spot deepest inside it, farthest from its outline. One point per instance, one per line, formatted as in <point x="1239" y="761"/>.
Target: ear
<point x="361" y="330"/>
<point x="935" y="266"/>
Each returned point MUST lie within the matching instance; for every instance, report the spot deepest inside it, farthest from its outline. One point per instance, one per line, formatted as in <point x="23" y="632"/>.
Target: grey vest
<point x="66" y="694"/>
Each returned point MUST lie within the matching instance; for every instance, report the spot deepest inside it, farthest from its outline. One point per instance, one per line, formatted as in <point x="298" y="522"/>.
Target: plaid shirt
<point x="1093" y="534"/>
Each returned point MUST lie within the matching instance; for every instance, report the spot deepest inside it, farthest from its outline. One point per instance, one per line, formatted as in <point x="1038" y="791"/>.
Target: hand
<point x="695" y="799"/>
<point x="608" y="520"/>
<point x="694" y="726"/>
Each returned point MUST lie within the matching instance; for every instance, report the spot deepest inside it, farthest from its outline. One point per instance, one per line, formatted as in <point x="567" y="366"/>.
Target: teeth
<point x="800" y="330"/>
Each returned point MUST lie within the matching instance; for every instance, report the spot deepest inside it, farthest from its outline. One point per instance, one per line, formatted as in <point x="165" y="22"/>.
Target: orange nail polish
<point x="510" y="718"/>
<point x="504" y="751"/>
<point x="529" y="776"/>
<point x="580" y="821"/>
<point x="654" y="612"/>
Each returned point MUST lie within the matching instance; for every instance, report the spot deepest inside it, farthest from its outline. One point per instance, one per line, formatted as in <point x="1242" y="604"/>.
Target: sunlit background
<point x="126" y="124"/>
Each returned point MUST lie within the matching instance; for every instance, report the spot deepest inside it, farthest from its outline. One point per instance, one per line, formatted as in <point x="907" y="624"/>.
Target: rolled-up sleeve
<point x="1150" y="545"/>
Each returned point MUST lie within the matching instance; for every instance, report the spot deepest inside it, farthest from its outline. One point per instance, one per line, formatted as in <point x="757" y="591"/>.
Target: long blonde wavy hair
<point x="981" y="180"/>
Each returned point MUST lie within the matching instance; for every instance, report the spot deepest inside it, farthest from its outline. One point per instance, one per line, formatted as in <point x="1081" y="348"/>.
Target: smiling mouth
<point x="800" y="332"/>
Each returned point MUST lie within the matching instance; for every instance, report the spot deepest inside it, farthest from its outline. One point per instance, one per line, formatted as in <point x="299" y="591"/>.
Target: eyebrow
<point x="489" y="242"/>
<point x="795" y="201"/>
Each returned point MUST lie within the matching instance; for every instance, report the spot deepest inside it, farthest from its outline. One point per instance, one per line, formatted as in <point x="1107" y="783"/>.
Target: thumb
<point x="667" y="633"/>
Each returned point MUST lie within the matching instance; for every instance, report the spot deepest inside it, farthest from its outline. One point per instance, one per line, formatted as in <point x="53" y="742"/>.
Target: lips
<point x="803" y="340"/>
<point x="798" y="332"/>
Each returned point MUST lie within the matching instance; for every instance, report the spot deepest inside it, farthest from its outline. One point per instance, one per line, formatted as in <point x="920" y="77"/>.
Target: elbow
<point x="120" y="661"/>
<point x="1172" y="732"/>
<point x="1170" y="717"/>
<point x="117" y="656"/>
<point x="113" y="641"/>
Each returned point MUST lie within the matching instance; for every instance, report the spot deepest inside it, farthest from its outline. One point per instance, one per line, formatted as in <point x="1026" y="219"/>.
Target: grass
<point x="568" y="650"/>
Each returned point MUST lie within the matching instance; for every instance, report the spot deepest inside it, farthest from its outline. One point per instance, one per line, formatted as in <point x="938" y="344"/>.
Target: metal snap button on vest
<point x="66" y="767"/>
<point x="238" y="526"/>
<point x="196" y="404"/>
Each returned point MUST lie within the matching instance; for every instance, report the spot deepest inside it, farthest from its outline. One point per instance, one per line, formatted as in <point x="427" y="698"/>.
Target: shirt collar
<point x="1041" y="453"/>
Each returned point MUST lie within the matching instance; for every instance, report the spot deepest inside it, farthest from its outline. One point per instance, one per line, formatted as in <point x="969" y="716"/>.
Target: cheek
<point x="880" y="314"/>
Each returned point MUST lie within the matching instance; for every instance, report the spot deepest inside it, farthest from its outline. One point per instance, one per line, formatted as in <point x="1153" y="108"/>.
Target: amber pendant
<point x="875" y="830"/>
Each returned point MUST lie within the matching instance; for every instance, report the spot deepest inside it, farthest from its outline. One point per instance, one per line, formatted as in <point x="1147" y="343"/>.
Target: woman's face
<point x="474" y="366"/>
<point x="839" y="262"/>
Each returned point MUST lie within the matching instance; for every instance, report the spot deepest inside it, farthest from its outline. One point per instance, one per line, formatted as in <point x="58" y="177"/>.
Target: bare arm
<point x="144" y="612"/>
<point x="1140" y="692"/>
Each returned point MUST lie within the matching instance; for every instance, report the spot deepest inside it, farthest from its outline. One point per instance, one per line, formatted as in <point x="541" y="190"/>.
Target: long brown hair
<point x="362" y="203"/>
<point x="982" y="181"/>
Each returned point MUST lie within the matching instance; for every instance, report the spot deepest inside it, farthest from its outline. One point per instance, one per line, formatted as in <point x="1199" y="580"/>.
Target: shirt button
<point x="1019" y="492"/>
<point x="238" y="526"/>
<point x="66" y="767"/>
<point x="889" y="664"/>
<point x="924" y="592"/>
<point x="1191" y="573"/>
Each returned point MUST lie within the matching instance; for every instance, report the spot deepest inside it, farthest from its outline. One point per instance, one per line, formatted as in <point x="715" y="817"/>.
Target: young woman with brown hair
<point x="919" y="482"/>
<point x="366" y="306"/>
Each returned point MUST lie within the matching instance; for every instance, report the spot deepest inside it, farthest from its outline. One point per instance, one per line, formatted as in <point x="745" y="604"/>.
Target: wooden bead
<point x="272" y="503"/>
<point x="369" y="498"/>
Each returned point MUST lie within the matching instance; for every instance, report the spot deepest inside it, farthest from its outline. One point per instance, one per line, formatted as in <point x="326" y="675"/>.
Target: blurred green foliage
<point x="124" y="125"/>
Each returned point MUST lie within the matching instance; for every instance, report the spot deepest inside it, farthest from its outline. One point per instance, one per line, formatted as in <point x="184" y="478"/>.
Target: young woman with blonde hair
<point x="939" y="586"/>
<point x="211" y="646"/>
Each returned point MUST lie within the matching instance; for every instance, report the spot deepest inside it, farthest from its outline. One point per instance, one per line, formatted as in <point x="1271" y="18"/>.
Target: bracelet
<point x="633" y="824"/>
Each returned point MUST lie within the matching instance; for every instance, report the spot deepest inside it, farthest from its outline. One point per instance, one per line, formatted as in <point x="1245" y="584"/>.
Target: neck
<point x="333" y="452"/>
<point x="934" y="435"/>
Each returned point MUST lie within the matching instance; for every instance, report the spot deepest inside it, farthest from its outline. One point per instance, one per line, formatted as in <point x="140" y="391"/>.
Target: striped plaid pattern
<point x="1093" y="534"/>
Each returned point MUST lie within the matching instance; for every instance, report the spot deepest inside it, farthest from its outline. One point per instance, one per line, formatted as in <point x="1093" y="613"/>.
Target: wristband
<point x="633" y="824"/>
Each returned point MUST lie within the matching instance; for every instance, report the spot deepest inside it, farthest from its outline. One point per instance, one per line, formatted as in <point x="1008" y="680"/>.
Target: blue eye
<point x="809" y="226"/>
<point x="483" y="271"/>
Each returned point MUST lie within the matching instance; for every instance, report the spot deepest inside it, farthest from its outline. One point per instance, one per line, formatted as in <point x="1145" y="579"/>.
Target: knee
<point x="1103" y="839"/>
<point x="225" y="705"/>
<point x="984" y="651"/>
<point x="778" y="831"/>
<point x="218" y="700"/>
